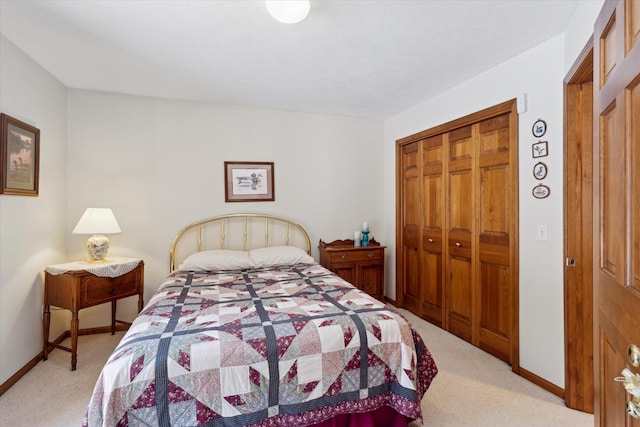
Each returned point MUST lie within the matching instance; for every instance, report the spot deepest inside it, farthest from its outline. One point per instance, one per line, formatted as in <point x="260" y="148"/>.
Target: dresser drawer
<point x="356" y="255"/>
<point x="97" y="290"/>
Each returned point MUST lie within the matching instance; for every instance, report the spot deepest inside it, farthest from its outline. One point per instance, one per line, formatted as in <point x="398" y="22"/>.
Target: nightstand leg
<point x="113" y="317"/>
<point x="46" y="321"/>
<point x="74" y="339"/>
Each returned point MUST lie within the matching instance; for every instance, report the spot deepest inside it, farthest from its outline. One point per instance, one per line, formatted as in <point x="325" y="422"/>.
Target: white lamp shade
<point x="288" y="11"/>
<point x="97" y="221"/>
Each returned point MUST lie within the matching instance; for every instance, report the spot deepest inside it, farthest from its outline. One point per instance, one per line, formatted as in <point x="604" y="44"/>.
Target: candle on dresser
<point x="356" y="238"/>
<point x="365" y="226"/>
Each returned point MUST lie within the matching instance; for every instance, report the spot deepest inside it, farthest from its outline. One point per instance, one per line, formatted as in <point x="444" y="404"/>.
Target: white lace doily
<point x="112" y="267"/>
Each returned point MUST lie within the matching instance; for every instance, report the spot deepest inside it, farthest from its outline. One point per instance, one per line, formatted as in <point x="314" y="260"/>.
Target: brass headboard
<point x="239" y="232"/>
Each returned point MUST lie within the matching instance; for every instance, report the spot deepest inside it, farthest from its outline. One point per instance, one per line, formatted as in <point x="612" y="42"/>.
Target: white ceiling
<point x="364" y="58"/>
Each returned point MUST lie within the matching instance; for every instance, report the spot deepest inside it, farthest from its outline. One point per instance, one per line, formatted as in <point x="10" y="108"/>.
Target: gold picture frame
<point x="20" y="157"/>
<point x="249" y="182"/>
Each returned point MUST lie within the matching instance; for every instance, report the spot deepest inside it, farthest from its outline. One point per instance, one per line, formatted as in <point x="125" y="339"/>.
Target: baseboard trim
<point x="30" y="365"/>
<point x="120" y="326"/>
<point x="541" y="382"/>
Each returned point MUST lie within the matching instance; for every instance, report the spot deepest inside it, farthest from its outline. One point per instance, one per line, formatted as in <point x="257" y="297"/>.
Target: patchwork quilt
<point x="284" y="346"/>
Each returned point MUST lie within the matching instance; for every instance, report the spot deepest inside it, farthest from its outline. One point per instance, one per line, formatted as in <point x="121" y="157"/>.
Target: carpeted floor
<point x="472" y="388"/>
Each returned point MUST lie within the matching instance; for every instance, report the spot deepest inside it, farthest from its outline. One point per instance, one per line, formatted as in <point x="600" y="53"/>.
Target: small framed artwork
<point x="540" y="149"/>
<point x="541" y="191"/>
<point x="540" y="170"/>
<point x="20" y="157"/>
<point x="248" y="182"/>
<point x="539" y="128"/>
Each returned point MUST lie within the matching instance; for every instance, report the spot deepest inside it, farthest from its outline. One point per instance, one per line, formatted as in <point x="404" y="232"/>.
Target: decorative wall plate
<point x="541" y="191"/>
<point x="540" y="170"/>
<point x="539" y="128"/>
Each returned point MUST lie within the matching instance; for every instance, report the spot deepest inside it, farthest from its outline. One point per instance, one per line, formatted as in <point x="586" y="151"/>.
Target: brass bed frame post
<point x="222" y="235"/>
<point x="266" y="232"/>
<point x="245" y="234"/>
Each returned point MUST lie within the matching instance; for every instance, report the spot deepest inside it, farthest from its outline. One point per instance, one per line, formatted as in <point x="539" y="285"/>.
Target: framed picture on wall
<point x="540" y="170"/>
<point x="248" y="182"/>
<point x="540" y="149"/>
<point x="20" y="157"/>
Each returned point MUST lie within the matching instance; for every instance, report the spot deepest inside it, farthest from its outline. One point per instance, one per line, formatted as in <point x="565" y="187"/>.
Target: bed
<point x="250" y="330"/>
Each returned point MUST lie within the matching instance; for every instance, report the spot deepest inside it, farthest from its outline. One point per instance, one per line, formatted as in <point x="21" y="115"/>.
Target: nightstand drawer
<point x="97" y="290"/>
<point x="356" y="256"/>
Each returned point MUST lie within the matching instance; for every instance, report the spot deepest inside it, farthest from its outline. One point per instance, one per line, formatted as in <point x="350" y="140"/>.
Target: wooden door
<point x="410" y="210"/>
<point x="495" y="291"/>
<point x="616" y="205"/>
<point x="461" y="283"/>
<point x="431" y="277"/>
<point x="578" y="234"/>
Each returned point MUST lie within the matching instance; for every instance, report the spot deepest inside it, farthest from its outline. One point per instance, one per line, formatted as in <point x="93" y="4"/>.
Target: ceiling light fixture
<point x="288" y="11"/>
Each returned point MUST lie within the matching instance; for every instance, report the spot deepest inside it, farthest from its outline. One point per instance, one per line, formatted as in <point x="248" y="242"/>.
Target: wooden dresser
<point x="363" y="266"/>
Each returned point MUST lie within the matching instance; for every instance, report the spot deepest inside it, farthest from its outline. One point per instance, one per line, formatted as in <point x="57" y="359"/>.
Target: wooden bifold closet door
<point x="457" y="228"/>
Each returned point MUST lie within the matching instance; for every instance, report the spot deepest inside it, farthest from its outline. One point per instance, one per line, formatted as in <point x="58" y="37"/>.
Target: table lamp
<point x="98" y="222"/>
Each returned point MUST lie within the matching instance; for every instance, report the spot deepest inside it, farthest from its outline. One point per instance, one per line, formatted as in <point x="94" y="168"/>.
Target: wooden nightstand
<point x="363" y="266"/>
<point x="81" y="284"/>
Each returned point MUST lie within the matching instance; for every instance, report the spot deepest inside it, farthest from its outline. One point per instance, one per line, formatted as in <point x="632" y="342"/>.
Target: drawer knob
<point x="112" y="291"/>
<point x="344" y="256"/>
<point x="458" y="245"/>
<point x="370" y="255"/>
<point x="430" y="240"/>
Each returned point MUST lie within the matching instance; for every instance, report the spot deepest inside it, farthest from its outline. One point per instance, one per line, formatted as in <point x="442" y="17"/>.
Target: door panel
<point x="495" y="317"/>
<point x="411" y="208"/>
<point x="460" y="297"/>
<point x="612" y="192"/>
<point x="617" y="300"/>
<point x="578" y="234"/>
<point x="461" y="200"/>
<point x="495" y="287"/>
<point x="431" y="280"/>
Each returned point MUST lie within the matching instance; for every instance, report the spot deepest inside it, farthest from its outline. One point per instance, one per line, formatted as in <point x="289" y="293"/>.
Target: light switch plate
<point x="541" y="232"/>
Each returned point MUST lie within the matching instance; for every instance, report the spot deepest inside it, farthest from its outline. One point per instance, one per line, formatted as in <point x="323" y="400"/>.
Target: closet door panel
<point x="460" y="285"/>
<point x="411" y="212"/>
<point x="432" y="304"/>
<point x="461" y="201"/>
<point x="494" y="201"/>
<point x="433" y="230"/>
<point x="493" y="238"/>
<point x="495" y="318"/>
<point x="460" y="303"/>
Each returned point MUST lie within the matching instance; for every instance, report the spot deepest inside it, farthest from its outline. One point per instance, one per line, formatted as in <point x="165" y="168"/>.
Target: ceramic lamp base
<point x="97" y="246"/>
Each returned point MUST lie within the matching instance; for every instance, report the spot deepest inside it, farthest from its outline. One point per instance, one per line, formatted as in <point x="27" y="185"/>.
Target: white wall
<point x="32" y="232"/>
<point x="541" y="266"/>
<point x="539" y="74"/>
<point x="159" y="164"/>
<point x="579" y="30"/>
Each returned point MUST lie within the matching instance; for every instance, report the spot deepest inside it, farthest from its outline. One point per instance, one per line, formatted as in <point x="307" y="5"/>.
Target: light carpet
<point x="472" y="388"/>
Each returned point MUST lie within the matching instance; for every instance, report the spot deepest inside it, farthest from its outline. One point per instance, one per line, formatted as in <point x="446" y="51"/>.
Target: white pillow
<point x="280" y="255"/>
<point x="218" y="259"/>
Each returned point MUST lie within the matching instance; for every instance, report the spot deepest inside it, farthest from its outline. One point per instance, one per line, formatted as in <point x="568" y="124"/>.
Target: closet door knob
<point x="458" y="245"/>
<point x="430" y="240"/>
